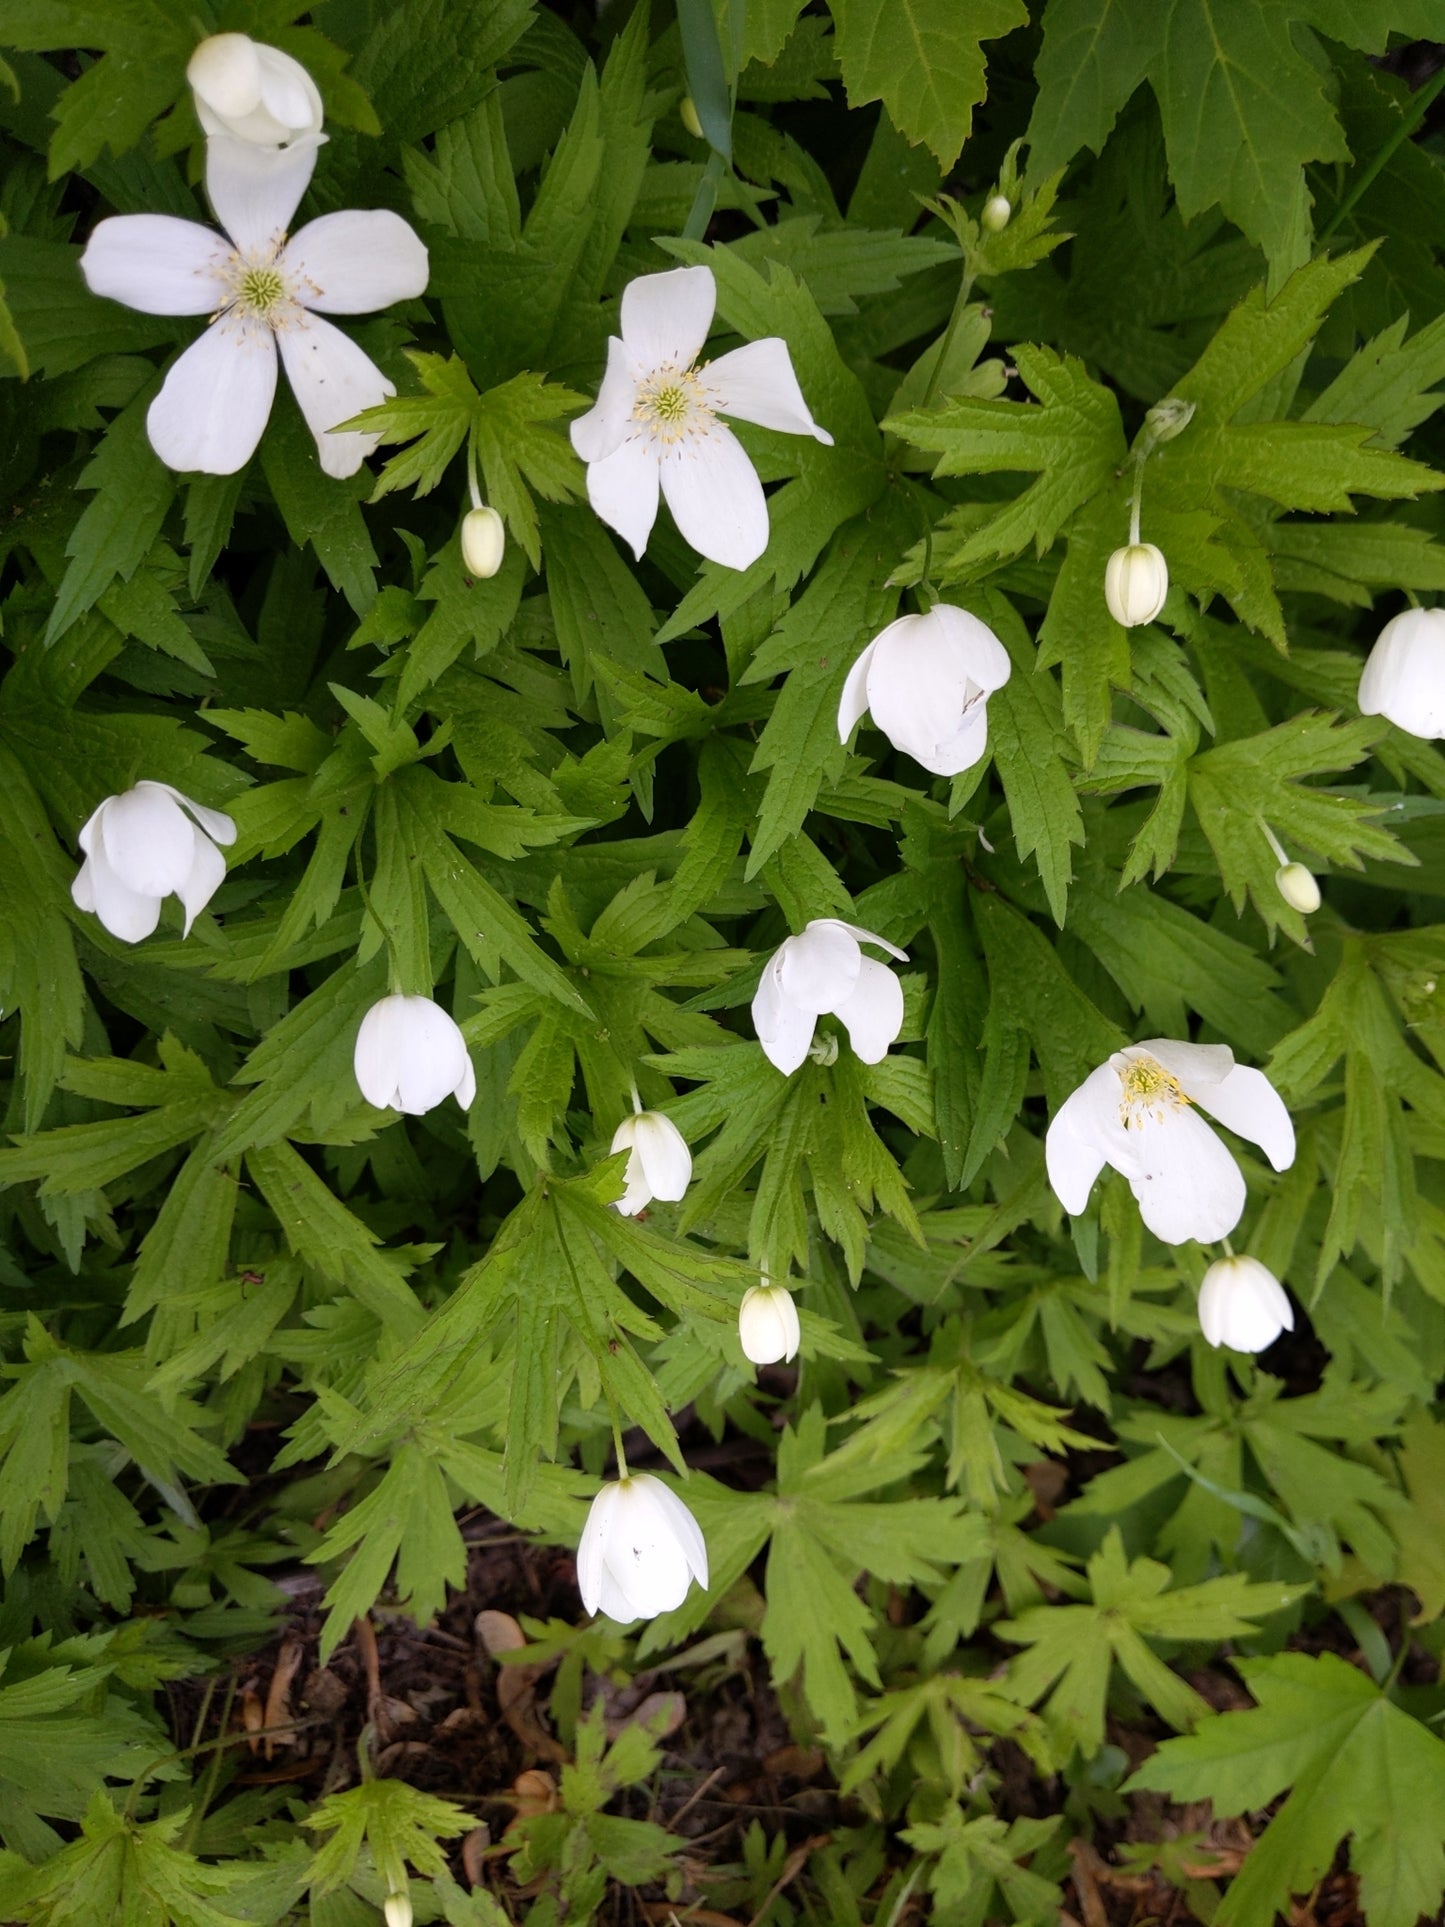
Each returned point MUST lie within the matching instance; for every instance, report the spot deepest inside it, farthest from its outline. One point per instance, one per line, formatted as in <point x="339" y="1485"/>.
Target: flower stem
<point x="1280" y="854"/>
<point x="1136" y="501"/>
<point x="636" y="1100"/>
<point x="393" y="961"/>
<point x="475" y="492"/>
<point x="1228" y="1247"/>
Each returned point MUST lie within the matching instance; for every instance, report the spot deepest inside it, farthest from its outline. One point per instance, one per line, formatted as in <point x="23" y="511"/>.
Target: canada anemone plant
<point x="723" y="973"/>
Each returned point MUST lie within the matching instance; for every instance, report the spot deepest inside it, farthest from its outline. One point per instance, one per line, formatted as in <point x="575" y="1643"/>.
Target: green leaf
<point x="318" y="509"/>
<point x="407" y="1518"/>
<point x="115" y="531"/>
<point x="923" y="60"/>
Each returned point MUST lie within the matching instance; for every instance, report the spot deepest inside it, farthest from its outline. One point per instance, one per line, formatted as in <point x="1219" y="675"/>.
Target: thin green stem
<point x="393" y="960"/>
<point x="1136" y="501"/>
<point x="1420" y="105"/>
<point x="1281" y="856"/>
<point x="960" y="307"/>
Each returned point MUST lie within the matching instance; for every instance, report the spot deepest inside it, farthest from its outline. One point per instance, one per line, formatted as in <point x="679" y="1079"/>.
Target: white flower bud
<point x="410" y="1055"/>
<point x="768" y="1328"/>
<point x="1298" y="887"/>
<point x="1243" y="1305"/>
<point x="660" y="1165"/>
<point x="997" y="213"/>
<point x="1135" y="584"/>
<point x="484" y="541"/>
<point x="396" y="1911"/>
<point x="146" y="844"/>
<point x="252" y="92"/>
<point x="687" y="114"/>
<point x="640" y="1550"/>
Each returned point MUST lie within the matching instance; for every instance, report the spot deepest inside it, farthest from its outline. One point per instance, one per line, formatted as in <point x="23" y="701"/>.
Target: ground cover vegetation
<point x="723" y="1057"/>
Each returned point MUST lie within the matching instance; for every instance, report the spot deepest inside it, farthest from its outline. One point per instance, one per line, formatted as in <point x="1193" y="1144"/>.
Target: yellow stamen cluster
<point x="1147" y="1087"/>
<point x="671" y="405"/>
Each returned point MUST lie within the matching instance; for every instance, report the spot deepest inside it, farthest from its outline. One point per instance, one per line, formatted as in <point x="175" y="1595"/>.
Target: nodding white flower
<point x="660" y="1165"/>
<point x="823" y="970"/>
<point x="640" y="1550"/>
<point x="397" y="1910"/>
<point x="1404" y="680"/>
<point x="252" y="92"/>
<point x="484" y="542"/>
<point x="1299" y="887"/>
<point x="410" y="1056"/>
<point x="768" y="1328"/>
<point x="1243" y="1305"/>
<point x="1137" y="1113"/>
<point x="1136" y="582"/>
<point x="655" y="424"/>
<point x="141" y="847"/>
<point x="927" y="679"/>
<point x="264" y="294"/>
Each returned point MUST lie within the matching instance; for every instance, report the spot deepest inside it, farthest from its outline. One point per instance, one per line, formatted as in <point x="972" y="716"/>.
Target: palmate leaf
<point x="1355" y="1765"/>
<point x="923" y="60"/>
<point x="126" y="1872"/>
<point x="401" y="1825"/>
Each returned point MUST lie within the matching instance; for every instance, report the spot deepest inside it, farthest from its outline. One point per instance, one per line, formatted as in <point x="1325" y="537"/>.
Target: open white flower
<point x="1243" y="1305"/>
<point x="1404" y="679"/>
<point x="1137" y="1113"/>
<point x="768" y="1328"/>
<point x="264" y="294"/>
<point x="823" y="970"/>
<point x="655" y="424"/>
<point x="410" y="1056"/>
<point x="660" y="1165"/>
<point x="252" y="92"/>
<point x="927" y="680"/>
<point x="640" y="1550"/>
<point x="141" y="847"/>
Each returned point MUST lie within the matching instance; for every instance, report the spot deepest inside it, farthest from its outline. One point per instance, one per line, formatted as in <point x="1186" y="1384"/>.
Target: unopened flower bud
<point x="1168" y="418"/>
<point x="687" y="114"/>
<point x="997" y="213"/>
<point x="484" y="539"/>
<point x="1135" y="584"/>
<point x="1243" y="1305"/>
<point x="1298" y="887"/>
<point x="397" y="1910"/>
<point x="768" y="1328"/>
<point x="251" y="92"/>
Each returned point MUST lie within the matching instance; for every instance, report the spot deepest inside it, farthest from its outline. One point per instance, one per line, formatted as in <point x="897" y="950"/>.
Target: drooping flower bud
<point x="1243" y="1305"/>
<point x="410" y="1055"/>
<point x="997" y="213"/>
<point x="1404" y="680"/>
<point x="397" y="1911"/>
<point x="1298" y="887"/>
<point x="640" y="1550"/>
<point x="484" y="541"/>
<point x="660" y="1165"/>
<point x="252" y="92"/>
<point x="1135" y="584"/>
<point x="687" y="114"/>
<point x="768" y="1329"/>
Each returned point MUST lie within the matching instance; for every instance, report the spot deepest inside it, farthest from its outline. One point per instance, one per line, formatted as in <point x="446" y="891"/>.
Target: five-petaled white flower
<point x="1404" y="679"/>
<point x="264" y="293"/>
<point x="410" y="1056"/>
<point x="141" y="847"/>
<point x="1137" y="1113"/>
<point x="640" y="1550"/>
<point x="252" y="92"/>
<point x="823" y="970"/>
<point x="660" y="1165"/>
<point x="927" y="680"/>
<point x="1243" y="1305"/>
<point x="655" y="423"/>
<point x="768" y="1327"/>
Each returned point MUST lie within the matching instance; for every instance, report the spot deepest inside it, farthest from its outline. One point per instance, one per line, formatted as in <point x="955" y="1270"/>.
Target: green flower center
<point x="260" y="289"/>
<point x="672" y="404"/>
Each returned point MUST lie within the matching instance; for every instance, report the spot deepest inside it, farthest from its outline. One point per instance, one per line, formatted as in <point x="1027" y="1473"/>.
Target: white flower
<point x="484" y="542"/>
<point x="660" y="1165"/>
<point x="252" y="92"/>
<point x="264" y="293"/>
<point x="768" y="1329"/>
<point x="410" y="1056"/>
<point x="821" y="970"/>
<point x="640" y="1549"/>
<point x="927" y="680"/>
<point x="1136" y="582"/>
<point x="1299" y="887"/>
<point x="1404" y="679"/>
<point x="1137" y="1113"/>
<point x="397" y="1910"/>
<point x="141" y="847"/>
<point x="655" y="421"/>
<point x="1243" y="1305"/>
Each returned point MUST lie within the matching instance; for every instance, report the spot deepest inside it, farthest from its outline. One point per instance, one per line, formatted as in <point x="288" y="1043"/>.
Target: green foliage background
<point x="587" y="799"/>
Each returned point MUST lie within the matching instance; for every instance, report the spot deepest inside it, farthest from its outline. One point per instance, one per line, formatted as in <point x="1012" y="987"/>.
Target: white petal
<point x="216" y="824"/>
<point x="225" y="71"/>
<point x="433" y="1058"/>
<point x="126" y="913"/>
<point x="665" y="1157"/>
<point x="645" y="1554"/>
<point x="856" y="931"/>
<point x="1404" y="679"/>
<point x="1189" y="1186"/>
<point x="873" y="1014"/>
<point x="1243" y="1305"/>
<point x="684" y="1528"/>
<point x="590" y="1547"/>
<point x="147" y="840"/>
<point x="853" y="703"/>
<point x="466" y="1090"/>
<point x="355" y="262"/>
<point x="205" y="876"/>
<point x="82" y="888"/>
<point x="377" y="1055"/>
<point x="966" y="746"/>
<point x="216" y="400"/>
<point x="918" y="685"/>
<point x="665" y="317"/>
<point x="818" y="970"/>
<point x="157" y="263"/>
<point x="756" y="383"/>
<point x="256" y="190"/>
<point x="1074" y="1147"/>
<point x="622" y="488"/>
<point x="985" y="659"/>
<point x="333" y="380"/>
<point x="608" y="422"/>
<point x="1198" y="1067"/>
<point x="784" y="1030"/>
<point x="288" y="93"/>
<point x="1246" y="1102"/>
<point x="716" y="498"/>
<point x="636" y="1192"/>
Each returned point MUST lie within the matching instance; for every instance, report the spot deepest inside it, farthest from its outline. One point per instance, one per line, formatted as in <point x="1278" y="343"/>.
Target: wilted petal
<point x="666" y="1160"/>
<point x="715" y="496"/>
<point x="853" y="703"/>
<point x="256" y="190"/>
<point x="126" y="913"/>
<point x="665" y="317"/>
<point x="157" y="263"/>
<point x="608" y="421"/>
<point x="1246" y="1102"/>
<point x="1188" y="1185"/>
<point x="355" y="262"/>
<point x="818" y="969"/>
<point x="214" y="405"/>
<point x="756" y="383"/>
<point x="147" y="840"/>
<point x="333" y="380"/>
<point x="873" y="1013"/>
<point x="205" y="876"/>
<point x="784" y="1029"/>
<point x="622" y="487"/>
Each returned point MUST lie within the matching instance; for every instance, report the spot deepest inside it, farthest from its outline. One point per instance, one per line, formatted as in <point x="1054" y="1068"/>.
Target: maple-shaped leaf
<point x="923" y="60"/>
<point x="1356" y="1765"/>
<point x="399" y="1823"/>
